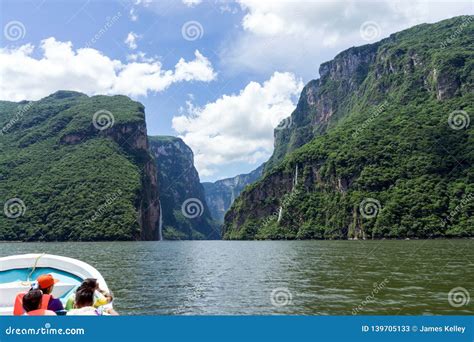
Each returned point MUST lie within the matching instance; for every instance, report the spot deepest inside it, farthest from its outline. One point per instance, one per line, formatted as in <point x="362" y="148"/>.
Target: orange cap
<point x="46" y="280"/>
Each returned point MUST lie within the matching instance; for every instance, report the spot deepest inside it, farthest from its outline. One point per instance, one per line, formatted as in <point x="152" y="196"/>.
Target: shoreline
<point x="255" y="240"/>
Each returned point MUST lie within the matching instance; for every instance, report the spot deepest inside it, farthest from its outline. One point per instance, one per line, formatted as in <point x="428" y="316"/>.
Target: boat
<point x="19" y="272"/>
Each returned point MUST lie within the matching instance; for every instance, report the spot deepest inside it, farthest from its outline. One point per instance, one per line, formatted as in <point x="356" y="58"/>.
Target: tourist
<point x="34" y="306"/>
<point x="84" y="304"/>
<point x="101" y="297"/>
<point x="46" y="285"/>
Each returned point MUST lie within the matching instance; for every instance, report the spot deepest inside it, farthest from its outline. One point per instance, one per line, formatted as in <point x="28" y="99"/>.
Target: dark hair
<point x="46" y="290"/>
<point x="89" y="283"/>
<point x="84" y="297"/>
<point x="32" y="300"/>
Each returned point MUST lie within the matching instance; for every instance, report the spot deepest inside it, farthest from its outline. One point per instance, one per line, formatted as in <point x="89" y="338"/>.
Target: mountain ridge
<point x="221" y="194"/>
<point x="372" y="134"/>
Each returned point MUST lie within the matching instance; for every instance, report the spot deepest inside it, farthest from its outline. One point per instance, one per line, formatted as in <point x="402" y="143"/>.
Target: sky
<point x="219" y="74"/>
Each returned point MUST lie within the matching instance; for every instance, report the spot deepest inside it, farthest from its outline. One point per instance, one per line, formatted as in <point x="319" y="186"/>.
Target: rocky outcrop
<point x="133" y="138"/>
<point x="221" y="194"/>
<point x="185" y="212"/>
<point x="322" y="99"/>
<point x="150" y="212"/>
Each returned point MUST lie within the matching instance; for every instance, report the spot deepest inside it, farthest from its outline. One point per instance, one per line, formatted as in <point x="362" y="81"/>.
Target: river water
<point x="279" y="277"/>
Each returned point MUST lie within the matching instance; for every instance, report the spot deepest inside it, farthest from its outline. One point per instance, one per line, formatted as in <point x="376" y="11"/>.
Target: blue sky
<point x="223" y="89"/>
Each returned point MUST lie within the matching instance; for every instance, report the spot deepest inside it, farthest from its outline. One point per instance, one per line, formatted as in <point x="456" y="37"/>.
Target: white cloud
<point x="133" y="14"/>
<point x="135" y="4"/>
<point x="239" y="127"/>
<point x="131" y="40"/>
<point x="88" y="70"/>
<point x="191" y="3"/>
<point x="303" y="34"/>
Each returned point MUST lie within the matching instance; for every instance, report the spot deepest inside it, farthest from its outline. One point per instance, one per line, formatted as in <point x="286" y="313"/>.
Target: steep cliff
<point x="221" y="194"/>
<point x="185" y="212"/>
<point x="324" y="101"/>
<point x="75" y="167"/>
<point x="380" y="146"/>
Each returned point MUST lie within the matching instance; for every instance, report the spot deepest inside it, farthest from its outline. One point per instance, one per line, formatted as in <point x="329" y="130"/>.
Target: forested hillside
<point x="381" y="146"/>
<point x="74" y="167"/>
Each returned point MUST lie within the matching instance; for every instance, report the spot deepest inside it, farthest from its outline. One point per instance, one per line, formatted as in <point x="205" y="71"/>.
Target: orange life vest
<point x="40" y="312"/>
<point x="18" y="309"/>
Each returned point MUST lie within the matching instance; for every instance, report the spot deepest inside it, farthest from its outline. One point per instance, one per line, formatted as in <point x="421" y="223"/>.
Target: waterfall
<point x="160" y="224"/>
<point x="280" y="213"/>
<point x="295" y="180"/>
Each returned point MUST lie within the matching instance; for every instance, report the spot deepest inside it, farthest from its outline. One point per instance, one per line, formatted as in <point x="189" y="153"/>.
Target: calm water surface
<point x="277" y="277"/>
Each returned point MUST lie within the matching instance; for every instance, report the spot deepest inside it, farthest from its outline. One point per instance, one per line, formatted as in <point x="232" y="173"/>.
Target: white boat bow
<point x="23" y="266"/>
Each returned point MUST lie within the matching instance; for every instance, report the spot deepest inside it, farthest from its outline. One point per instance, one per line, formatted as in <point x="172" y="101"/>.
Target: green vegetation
<point x="76" y="182"/>
<point x="400" y="141"/>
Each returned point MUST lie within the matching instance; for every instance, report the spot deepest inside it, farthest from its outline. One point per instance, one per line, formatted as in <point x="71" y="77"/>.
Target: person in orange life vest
<point x="34" y="306"/>
<point x="18" y="309"/>
<point x="46" y="285"/>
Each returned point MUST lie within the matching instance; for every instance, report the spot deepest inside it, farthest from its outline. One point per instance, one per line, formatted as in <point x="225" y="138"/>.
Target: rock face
<point x="323" y="99"/>
<point x="185" y="212"/>
<point x="365" y="155"/>
<point x="78" y="176"/>
<point x="221" y="194"/>
<point x="133" y="138"/>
